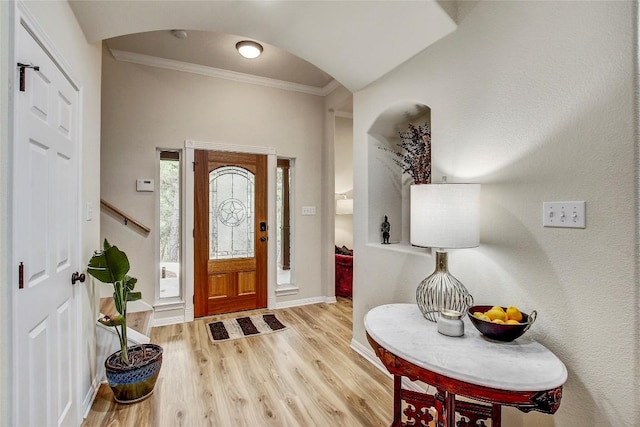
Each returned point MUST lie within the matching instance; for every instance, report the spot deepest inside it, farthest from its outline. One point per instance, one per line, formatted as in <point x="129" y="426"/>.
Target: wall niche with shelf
<point x="389" y="188"/>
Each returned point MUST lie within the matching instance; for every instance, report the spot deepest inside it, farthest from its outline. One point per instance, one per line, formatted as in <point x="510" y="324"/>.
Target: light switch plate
<point x="564" y="214"/>
<point x="308" y="210"/>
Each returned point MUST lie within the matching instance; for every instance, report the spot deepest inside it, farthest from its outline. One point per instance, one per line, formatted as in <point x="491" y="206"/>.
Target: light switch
<point x="308" y="210"/>
<point x="564" y="214"/>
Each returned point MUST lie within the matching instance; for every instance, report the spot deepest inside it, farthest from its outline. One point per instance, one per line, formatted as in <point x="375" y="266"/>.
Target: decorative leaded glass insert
<point x="231" y="213"/>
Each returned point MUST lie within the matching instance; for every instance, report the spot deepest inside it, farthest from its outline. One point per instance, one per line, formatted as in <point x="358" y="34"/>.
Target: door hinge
<point x="22" y="73"/>
<point x="21" y="275"/>
<point x="194" y="166"/>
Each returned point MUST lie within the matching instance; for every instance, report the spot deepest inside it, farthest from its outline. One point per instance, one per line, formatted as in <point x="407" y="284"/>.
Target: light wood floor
<point x="306" y="375"/>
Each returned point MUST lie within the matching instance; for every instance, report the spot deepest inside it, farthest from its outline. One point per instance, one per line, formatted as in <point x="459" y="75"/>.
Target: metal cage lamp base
<point x="442" y="291"/>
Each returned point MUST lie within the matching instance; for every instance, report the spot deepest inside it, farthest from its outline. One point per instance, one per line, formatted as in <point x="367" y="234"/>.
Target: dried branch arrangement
<point x="414" y="156"/>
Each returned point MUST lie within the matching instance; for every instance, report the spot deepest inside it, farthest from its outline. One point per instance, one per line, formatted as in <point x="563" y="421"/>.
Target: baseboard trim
<point x="371" y="357"/>
<point x="90" y="397"/>
<point x="283" y="290"/>
<point x="305" y="301"/>
<point x="368" y="354"/>
<point x="166" y="321"/>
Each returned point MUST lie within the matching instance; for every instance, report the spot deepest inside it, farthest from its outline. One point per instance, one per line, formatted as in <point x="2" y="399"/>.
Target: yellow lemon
<point x="499" y="321"/>
<point x="497" y="307"/>
<point x="512" y="322"/>
<point x="494" y="314"/>
<point x="482" y="316"/>
<point x="513" y="313"/>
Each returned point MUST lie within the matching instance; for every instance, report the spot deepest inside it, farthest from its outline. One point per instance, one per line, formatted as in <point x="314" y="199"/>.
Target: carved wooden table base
<point x="420" y="408"/>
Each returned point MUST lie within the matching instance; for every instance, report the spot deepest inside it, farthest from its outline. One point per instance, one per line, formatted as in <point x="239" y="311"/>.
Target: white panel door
<point x="46" y="238"/>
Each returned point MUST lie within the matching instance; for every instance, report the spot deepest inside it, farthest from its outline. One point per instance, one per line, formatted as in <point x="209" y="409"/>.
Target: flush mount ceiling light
<point x="179" y="34"/>
<point x="249" y="49"/>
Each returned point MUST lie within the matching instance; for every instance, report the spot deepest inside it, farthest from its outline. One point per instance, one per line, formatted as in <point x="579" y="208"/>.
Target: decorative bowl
<point x="497" y="331"/>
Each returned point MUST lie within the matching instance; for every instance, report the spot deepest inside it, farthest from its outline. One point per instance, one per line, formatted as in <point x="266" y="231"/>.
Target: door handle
<point x="77" y="277"/>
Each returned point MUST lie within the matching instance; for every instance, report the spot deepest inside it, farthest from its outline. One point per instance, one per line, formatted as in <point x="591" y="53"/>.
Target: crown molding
<point x="203" y="70"/>
<point x="330" y="87"/>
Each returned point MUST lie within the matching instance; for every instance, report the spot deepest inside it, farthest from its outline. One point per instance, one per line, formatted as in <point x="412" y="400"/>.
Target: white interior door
<point x="46" y="240"/>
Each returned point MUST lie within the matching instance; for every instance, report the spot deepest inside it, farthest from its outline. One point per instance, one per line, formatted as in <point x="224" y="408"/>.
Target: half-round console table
<point x="522" y="373"/>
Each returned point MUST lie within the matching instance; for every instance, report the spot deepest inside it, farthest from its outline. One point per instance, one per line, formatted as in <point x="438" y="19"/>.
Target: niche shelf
<point x="388" y="187"/>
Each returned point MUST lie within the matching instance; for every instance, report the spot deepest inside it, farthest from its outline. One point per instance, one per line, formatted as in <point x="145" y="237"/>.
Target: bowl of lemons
<point x="501" y="323"/>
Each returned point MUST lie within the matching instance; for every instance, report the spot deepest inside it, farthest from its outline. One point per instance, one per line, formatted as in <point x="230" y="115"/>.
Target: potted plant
<point x="131" y="371"/>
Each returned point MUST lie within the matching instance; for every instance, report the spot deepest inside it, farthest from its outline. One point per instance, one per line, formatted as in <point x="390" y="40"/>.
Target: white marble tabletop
<point x="520" y="365"/>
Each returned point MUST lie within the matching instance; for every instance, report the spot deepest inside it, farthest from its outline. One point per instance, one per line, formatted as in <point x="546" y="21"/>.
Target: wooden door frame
<point x="190" y="147"/>
<point x="20" y="16"/>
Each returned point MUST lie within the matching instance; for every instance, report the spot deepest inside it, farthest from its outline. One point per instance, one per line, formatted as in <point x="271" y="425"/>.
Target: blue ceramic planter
<point x="134" y="383"/>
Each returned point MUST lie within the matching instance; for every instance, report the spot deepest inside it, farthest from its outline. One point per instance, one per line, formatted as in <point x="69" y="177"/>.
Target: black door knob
<point x="77" y="277"/>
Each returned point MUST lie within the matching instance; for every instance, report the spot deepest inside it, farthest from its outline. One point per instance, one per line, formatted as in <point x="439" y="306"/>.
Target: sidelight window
<point x="170" y="219"/>
<point x="283" y="220"/>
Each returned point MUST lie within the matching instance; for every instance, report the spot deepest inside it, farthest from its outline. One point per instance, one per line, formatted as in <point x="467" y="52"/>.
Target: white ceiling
<point x="355" y="42"/>
<point x="217" y="50"/>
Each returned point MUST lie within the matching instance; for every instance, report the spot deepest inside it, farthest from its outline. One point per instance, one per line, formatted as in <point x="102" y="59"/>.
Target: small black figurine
<point x="386" y="227"/>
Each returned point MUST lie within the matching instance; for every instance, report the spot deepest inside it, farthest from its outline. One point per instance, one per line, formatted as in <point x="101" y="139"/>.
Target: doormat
<point x="240" y="327"/>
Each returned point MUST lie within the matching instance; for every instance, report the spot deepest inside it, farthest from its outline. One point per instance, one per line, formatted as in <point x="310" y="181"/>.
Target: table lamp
<point x="444" y="216"/>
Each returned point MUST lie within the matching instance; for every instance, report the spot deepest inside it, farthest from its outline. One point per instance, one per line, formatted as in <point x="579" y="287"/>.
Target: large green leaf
<point x="119" y="299"/>
<point x="134" y="296"/>
<point x="112" y="321"/>
<point x="110" y="265"/>
<point x="130" y="282"/>
<point x="118" y="262"/>
<point x="99" y="269"/>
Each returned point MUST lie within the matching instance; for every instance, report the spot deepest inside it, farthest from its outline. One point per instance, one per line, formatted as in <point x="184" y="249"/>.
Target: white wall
<point x="343" y="153"/>
<point x="61" y="29"/>
<point x="535" y="101"/>
<point x="145" y="108"/>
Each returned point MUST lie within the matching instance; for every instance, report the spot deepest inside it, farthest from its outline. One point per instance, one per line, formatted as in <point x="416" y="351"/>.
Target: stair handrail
<point x="126" y="218"/>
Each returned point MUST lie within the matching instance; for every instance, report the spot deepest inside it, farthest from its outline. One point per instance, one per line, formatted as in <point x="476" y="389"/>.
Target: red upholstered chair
<point x="344" y="275"/>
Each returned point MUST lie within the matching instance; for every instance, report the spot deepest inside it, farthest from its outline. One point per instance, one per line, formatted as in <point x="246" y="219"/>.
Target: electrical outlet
<point x="564" y="214"/>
